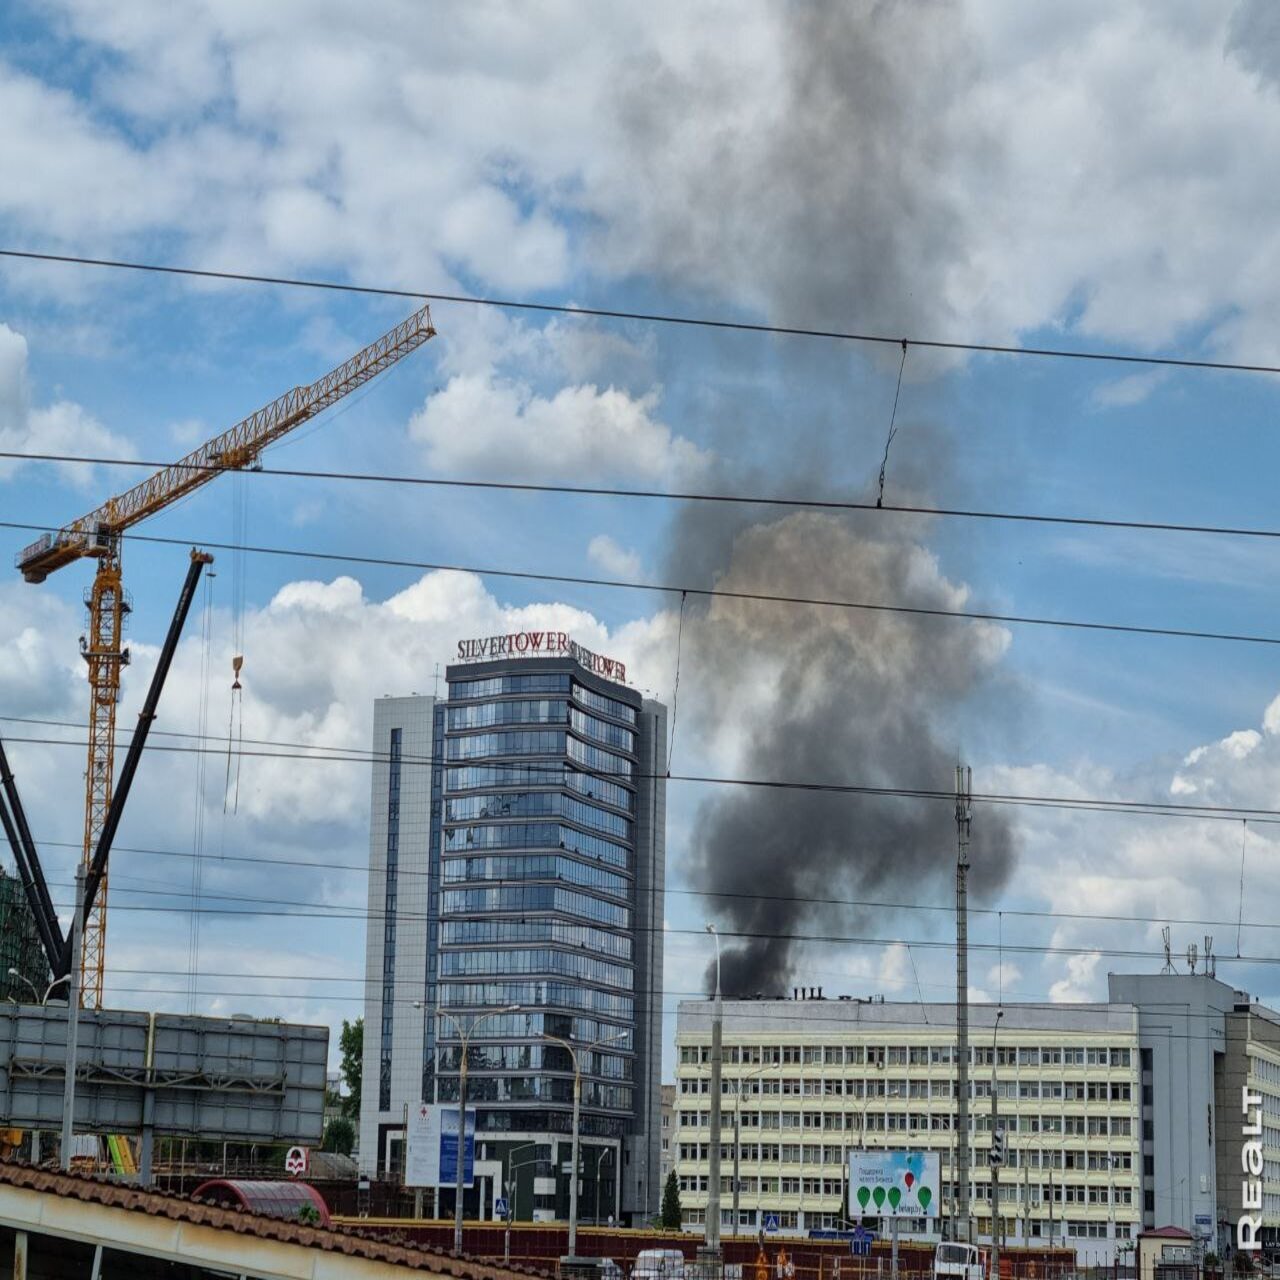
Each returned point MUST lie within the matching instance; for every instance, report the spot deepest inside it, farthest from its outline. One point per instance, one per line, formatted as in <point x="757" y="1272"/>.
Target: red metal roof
<point x="287" y="1200"/>
<point x="356" y="1244"/>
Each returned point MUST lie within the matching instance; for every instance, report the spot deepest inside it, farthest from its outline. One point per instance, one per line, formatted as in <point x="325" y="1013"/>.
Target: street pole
<point x="737" y="1137"/>
<point x="462" y="1143"/>
<point x="573" y="1160"/>
<point x="964" y="813"/>
<point x="577" y="1097"/>
<point x="995" y="1166"/>
<point x="73" y="1023"/>
<point x="43" y="1001"/>
<point x="711" y="1237"/>
<point x="608" y="1151"/>
<point x="464" y="1039"/>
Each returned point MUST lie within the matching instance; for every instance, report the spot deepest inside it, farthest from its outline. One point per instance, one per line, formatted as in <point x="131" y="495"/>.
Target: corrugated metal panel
<point x="222" y="1079"/>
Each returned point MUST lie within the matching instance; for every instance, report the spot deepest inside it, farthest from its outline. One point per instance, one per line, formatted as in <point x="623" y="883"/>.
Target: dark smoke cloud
<point x="831" y="696"/>
<point x="819" y="189"/>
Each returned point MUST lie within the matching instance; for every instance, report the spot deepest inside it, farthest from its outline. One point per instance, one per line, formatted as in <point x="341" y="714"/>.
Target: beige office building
<point x="807" y="1080"/>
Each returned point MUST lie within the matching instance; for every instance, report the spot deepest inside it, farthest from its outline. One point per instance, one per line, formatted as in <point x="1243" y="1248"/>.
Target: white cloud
<point x="1080" y="982"/>
<point x="479" y="421"/>
<point x="614" y="559"/>
<point x="1121" y="393"/>
<point x="58" y="428"/>
<point x="525" y="152"/>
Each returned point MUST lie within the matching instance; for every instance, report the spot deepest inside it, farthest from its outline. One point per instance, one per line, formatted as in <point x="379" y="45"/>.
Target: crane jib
<point x="233" y="450"/>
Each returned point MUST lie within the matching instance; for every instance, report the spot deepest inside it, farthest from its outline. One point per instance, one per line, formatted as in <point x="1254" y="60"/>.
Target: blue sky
<point x="952" y="171"/>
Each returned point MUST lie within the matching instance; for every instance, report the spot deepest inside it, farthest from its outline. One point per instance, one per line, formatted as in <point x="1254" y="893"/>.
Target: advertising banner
<point x="449" y="1147"/>
<point x="895" y="1184"/>
<point x="431" y="1158"/>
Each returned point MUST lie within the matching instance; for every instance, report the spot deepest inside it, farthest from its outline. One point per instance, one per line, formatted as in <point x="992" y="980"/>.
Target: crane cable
<point x="235" y="717"/>
<point x="197" y="839"/>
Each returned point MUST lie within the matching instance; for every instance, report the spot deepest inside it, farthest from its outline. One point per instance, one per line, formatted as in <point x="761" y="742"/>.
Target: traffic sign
<point x="771" y="1222"/>
<point x="500" y="1206"/>
<point x="860" y="1242"/>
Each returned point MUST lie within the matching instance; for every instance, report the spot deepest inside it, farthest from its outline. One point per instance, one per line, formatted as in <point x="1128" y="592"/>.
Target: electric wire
<point x="1134" y="808"/>
<point x="275" y="908"/>
<point x="709" y="593"/>
<point x="679" y="495"/>
<point x="647" y="317"/>
<point x="869" y="904"/>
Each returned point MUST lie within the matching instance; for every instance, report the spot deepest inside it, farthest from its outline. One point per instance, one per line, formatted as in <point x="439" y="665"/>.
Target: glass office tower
<point x="544" y="870"/>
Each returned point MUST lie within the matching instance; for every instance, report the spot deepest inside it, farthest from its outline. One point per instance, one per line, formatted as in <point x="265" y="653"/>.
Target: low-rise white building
<point x="1108" y="1109"/>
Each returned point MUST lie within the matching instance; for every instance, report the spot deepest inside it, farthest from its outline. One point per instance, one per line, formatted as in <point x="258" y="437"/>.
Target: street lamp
<point x="35" y="991"/>
<point x="608" y="1151"/>
<point x="464" y="1036"/>
<point x="42" y="1001"/>
<point x="711" y="1236"/>
<point x="577" y="1100"/>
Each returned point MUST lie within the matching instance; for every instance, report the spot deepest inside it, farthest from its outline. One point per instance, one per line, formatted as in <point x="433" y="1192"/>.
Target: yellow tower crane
<point x="97" y="535"/>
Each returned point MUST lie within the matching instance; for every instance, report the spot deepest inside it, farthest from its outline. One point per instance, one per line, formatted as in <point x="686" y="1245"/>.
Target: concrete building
<point x="668" y="1155"/>
<point x="517" y="857"/>
<point x="1119" y="1117"/>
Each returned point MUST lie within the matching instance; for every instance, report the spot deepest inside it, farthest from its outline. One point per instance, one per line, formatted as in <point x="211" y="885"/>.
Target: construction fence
<point x="541" y="1245"/>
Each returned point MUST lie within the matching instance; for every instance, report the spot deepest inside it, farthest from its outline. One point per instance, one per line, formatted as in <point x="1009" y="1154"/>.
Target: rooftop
<point x="62" y="1207"/>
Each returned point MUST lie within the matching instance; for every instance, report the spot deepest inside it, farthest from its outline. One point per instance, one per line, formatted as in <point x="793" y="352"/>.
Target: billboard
<point x="231" y="1079"/>
<point x="431" y="1159"/>
<point x="895" y="1184"/>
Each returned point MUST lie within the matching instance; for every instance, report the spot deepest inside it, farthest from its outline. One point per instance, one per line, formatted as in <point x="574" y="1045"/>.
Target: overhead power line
<point x="679" y="495"/>
<point x="356" y="911"/>
<point x="708" y="593"/>
<point x="648" y="317"/>
<point x="1132" y="808"/>
<point x="284" y="909"/>
<point x="867" y="904"/>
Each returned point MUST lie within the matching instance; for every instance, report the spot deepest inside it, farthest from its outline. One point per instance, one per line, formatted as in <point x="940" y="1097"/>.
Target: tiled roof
<point x="1176" y="1233"/>
<point x="161" y="1204"/>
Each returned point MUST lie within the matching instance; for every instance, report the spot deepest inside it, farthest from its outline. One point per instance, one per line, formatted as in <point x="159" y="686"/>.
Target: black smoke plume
<point x="832" y="697"/>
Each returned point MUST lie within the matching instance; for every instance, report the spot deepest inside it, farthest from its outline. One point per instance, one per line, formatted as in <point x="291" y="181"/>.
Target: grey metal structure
<point x="221" y="1079"/>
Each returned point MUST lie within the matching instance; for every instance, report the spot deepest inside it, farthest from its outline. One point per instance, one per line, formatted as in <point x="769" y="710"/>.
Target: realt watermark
<point x="1249" y="1226"/>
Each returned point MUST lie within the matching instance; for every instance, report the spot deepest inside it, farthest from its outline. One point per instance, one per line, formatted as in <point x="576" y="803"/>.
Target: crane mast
<point x="97" y="535"/>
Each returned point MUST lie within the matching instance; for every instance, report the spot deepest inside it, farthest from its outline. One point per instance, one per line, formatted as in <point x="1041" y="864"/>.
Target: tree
<point x="671" y="1203"/>
<point x="351" y="1043"/>
<point x="339" y="1136"/>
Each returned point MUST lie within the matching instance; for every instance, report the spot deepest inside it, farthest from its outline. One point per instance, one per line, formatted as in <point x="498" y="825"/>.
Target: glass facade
<point x="516" y="865"/>
<point x="536" y="834"/>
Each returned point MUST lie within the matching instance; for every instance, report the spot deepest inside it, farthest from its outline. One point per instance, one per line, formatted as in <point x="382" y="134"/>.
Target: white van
<point x="959" y="1262"/>
<point x="658" y="1264"/>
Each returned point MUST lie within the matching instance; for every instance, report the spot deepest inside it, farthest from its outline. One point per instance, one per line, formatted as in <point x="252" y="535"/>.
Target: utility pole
<point x="997" y="1154"/>
<point x="711" y="1238"/>
<point x="464" y="1042"/>
<point x="964" y="814"/>
<point x="73" y="1024"/>
<point x="577" y="1055"/>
